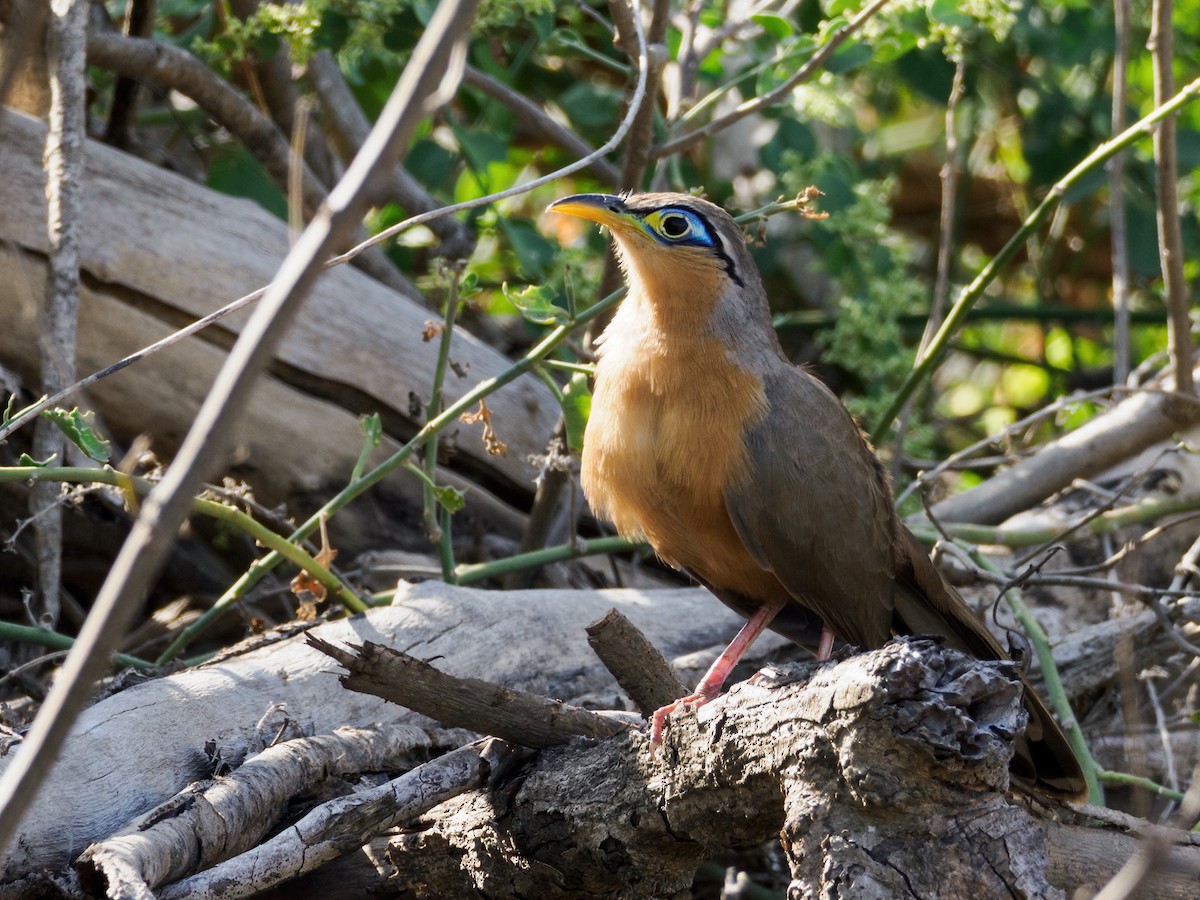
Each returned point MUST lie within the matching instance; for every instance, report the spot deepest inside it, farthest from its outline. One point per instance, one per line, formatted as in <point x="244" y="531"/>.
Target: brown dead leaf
<point x="491" y="441"/>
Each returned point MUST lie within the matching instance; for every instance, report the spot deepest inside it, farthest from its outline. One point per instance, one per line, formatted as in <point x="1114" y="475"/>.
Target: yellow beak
<point x="605" y="209"/>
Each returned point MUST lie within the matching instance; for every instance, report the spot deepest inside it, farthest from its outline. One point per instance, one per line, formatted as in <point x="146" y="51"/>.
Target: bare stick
<point x="427" y="82"/>
<point x="1116" y="198"/>
<point x="481" y="706"/>
<point x="802" y="75"/>
<point x="1166" y="172"/>
<point x="945" y="259"/>
<point x="640" y="669"/>
<point x="65" y="138"/>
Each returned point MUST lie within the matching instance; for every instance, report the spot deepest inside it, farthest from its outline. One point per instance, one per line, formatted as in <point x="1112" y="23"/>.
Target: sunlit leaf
<point x="79" y="429"/>
<point x="536" y="303"/>
<point x="452" y="499"/>
<point x="26" y="460"/>
<point x="577" y="406"/>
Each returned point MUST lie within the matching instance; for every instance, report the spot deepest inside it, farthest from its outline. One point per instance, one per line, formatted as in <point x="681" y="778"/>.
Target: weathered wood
<point x="530" y="640"/>
<point x="158" y="247"/>
<point x="210" y="821"/>
<point x="482" y="706"/>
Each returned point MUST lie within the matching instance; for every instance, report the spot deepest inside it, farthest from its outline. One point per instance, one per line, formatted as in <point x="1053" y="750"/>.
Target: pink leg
<point x="712" y="682"/>
<point x="825" y="647"/>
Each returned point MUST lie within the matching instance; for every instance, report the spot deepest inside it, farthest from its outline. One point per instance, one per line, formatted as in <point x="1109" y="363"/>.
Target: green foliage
<point x="577" y="405"/>
<point x="868" y="131"/>
<point x="79" y="428"/>
<point x="536" y="303"/>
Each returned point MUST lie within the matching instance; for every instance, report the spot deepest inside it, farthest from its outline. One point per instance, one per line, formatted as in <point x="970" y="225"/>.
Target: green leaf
<point x="333" y="32"/>
<point x="577" y="406"/>
<point x="26" y="460"/>
<point x="452" y="499"/>
<point x="536" y="303"/>
<point x="481" y="147"/>
<point x="469" y="286"/>
<point x="776" y="26"/>
<point x="235" y="172"/>
<point x="77" y="426"/>
<point x="946" y="12"/>
<point x="590" y="106"/>
<point x="534" y="252"/>
<point x="430" y="163"/>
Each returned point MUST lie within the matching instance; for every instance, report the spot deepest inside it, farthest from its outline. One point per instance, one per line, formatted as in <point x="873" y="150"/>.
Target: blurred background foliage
<point x="852" y="292"/>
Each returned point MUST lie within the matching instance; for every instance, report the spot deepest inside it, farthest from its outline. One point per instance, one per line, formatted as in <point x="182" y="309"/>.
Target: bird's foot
<point x="658" y="721"/>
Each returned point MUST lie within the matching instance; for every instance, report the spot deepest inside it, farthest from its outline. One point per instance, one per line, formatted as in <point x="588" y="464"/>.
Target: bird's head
<point x="674" y="248"/>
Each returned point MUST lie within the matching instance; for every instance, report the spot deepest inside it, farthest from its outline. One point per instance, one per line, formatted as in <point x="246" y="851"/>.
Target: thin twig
<point x="439" y="536"/>
<point x="1166" y="173"/>
<point x="810" y="68"/>
<point x="66" y="136"/>
<point x="945" y="259"/>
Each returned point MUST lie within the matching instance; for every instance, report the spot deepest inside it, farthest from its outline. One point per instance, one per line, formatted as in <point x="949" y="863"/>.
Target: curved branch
<point x="749" y="107"/>
<point x="534" y="117"/>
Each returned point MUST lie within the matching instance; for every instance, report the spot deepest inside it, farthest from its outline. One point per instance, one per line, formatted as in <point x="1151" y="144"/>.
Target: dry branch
<point x="639" y="668"/>
<point x="210" y="821"/>
<point x="481" y="706"/>
<point x="240" y="703"/>
<point x="1131" y="426"/>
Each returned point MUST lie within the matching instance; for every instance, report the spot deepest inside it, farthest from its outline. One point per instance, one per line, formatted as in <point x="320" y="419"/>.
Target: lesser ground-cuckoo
<point x="747" y="472"/>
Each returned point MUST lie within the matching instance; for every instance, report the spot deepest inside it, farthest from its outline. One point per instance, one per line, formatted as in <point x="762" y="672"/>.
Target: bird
<point x="747" y="472"/>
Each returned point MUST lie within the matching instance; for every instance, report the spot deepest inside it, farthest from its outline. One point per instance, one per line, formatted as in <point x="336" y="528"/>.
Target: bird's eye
<point x="674" y="225"/>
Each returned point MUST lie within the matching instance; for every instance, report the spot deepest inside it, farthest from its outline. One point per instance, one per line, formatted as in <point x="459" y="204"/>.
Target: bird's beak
<point x="606" y="209"/>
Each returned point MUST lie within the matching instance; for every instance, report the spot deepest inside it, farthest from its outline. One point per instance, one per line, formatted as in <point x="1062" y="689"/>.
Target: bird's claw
<point x="658" y="721"/>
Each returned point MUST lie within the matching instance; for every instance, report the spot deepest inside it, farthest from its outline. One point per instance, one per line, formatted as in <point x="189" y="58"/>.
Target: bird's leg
<point x="825" y="646"/>
<point x="714" y="679"/>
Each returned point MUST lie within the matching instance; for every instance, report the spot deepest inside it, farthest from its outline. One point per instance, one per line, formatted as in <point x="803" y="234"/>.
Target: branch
<point x="64" y="161"/>
<point x="1116" y="197"/>
<point x="802" y="75"/>
<point x="535" y="119"/>
<point x="1166" y="175"/>
<point x="480" y="706"/>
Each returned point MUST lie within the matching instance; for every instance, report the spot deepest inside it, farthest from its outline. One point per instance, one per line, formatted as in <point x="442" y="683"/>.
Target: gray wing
<point x="815" y="508"/>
